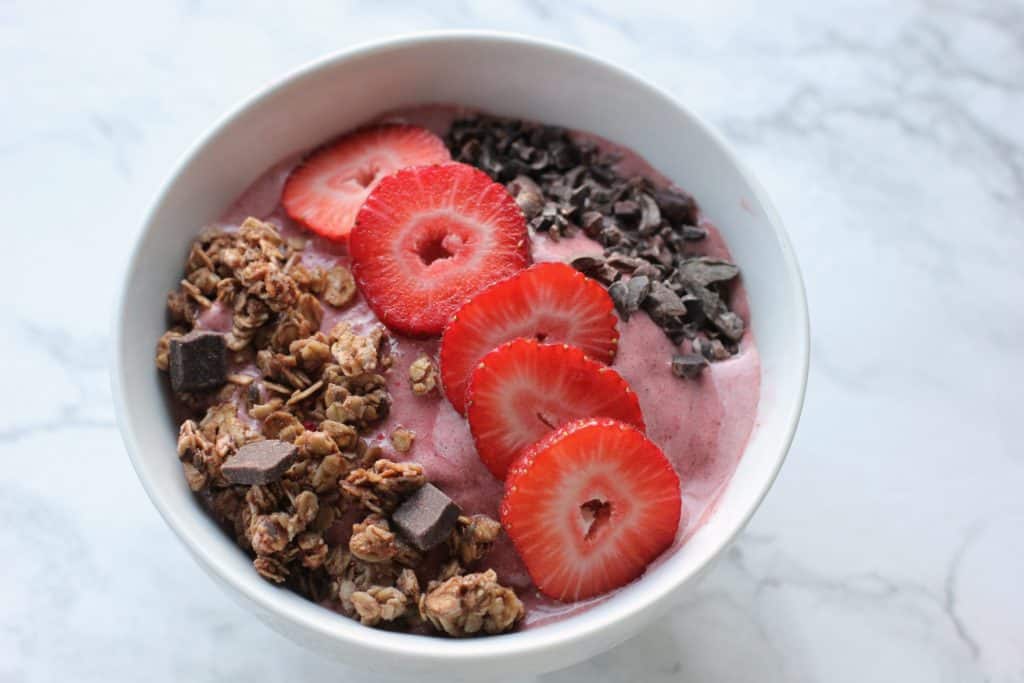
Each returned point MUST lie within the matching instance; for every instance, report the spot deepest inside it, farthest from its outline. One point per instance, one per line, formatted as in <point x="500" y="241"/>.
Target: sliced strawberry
<point x="325" y="191"/>
<point x="589" y="507"/>
<point x="430" y="237"/>
<point x="551" y="302"/>
<point x="523" y="390"/>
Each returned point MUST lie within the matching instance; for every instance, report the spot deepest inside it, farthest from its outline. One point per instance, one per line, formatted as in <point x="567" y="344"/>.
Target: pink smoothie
<point x="702" y="425"/>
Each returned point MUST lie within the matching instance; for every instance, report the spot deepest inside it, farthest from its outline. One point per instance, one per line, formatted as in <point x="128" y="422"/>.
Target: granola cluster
<point x="322" y="526"/>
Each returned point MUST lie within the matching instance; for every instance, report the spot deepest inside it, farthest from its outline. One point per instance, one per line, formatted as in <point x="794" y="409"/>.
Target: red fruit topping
<point x="430" y="237"/>
<point x="325" y="191"/>
<point x="589" y="507"/>
<point x="523" y="390"/>
<point x="550" y="302"/>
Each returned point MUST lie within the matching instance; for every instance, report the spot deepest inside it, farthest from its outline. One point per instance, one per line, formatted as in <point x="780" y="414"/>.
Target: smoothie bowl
<point x="459" y="352"/>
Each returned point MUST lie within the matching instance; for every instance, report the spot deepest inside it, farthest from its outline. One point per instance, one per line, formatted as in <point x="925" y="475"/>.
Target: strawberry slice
<point x="430" y="237"/>
<point x="523" y="390"/>
<point x="325" y="191"/>
<point x="589" y="507"/>
<point x="551" y="302"/>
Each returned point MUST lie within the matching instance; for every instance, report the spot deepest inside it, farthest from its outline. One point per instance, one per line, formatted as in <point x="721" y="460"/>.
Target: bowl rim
<point x="404" y="645"/>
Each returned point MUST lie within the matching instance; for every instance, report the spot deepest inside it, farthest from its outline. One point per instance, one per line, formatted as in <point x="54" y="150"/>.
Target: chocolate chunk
<point x="198" y="361"/>
<point x="523" y="183"/>
<point x="610" y="235"/>
<point x="657" y="255"/>
<point x="259" y="462"/>
<point x="705" y="271"/>
<point x="595" y="268"/>
<point x="564" y="155"/>
<point x="627" y="264"/>
<point x="663" y="304"/>
<point x="710" y="303"/>
<point x="647" y="270"/>
<point x="627" y="209"/>
<point x="627" y="296"/>
<point x="618" y="291"/>
<point x="712" y="349"/>
<point x="530" y="203"/>
<point x="650" y="216"/>
<point x="689" y="365"/>
<point x="677" y="207"/>
<point x="691" y="233"/>
<point x="528" y="194"/>
<point x="587" y="264"/>
<point x="647" y="232"/>
<point x="427" y="517"/>
<point x="592" y="223"/>
<point x="639" y="286"/>
<point x="730" y="324"/>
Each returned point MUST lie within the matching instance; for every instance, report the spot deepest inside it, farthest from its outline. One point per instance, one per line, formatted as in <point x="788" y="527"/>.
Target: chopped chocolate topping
<point x="705" y="271"/>
<point x="689" y="365"/>
<point x="678" y="208"/>
<point x="197" y="361"/>
<point x="427" y="517"/>
<point x="562" y="183"/>
<point x="260" y="462"/>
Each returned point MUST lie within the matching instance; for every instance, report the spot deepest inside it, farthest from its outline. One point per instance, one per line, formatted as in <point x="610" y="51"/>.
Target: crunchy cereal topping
<point x="473" y="537"/>
<point x="382" y="487"/>
<point x="378" y="604"/>
<point x="344" y="435"/>
<point x="339" y="287"/>
<point x="466" y="605"/>
<point x="163" y="347"/>
<point x="422" y="375"/>
<point x="402" y="439"/>
<point x="371" y="540"/>
<point x="356" y="354"/>
<point x="318" y="391"/>
<point x="409" y="585"/>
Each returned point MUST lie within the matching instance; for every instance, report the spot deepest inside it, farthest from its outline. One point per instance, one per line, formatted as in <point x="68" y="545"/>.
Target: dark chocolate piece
<point x="198" y="361"/>
<point x="677" y="207"/>
<point x="705" y="271"/>
<point x="627" y="296"/>
<point x="529" y="196"/>
<point x="427" y="517"/>
<point x="691" y="233"/>
<point x="650" y="216"/>
<point x="645" y="230"/>
<point x="730" y="324"/>
<point x="639" y="286"/>
<point x="626" y="209"/>
<point x="625" y="263"/>
<point x="618" y="291"/>
<point x="663" y="304"/>
<point x="689" y="365"/>
<point x="259" y="462"/>
<point x="595" y="268"/>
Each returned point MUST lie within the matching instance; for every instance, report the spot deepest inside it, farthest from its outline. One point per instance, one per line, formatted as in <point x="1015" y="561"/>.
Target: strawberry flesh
<point x="430" y="237"/>
<point x="523" y="390"/>
<point x="324" y="192"/>
<point x="590" y="507"/>
<point x="550" y="302"/>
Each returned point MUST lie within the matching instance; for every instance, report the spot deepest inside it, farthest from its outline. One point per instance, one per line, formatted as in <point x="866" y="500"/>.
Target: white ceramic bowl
<point x="503" y="74"/>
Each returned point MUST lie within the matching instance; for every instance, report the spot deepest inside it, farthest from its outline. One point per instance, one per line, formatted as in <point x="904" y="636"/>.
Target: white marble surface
<point x="890" y="135"/>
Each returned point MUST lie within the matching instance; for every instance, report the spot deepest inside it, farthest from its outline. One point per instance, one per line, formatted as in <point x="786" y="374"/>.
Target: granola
<point x="466" y="605"/>
<point x="422" y="375"/>
<point x="316" y="394"/>
<point x="402" y="439"/>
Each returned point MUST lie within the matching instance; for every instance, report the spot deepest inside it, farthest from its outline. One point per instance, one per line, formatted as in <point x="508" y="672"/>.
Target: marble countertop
<point x="891" y="137"/>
